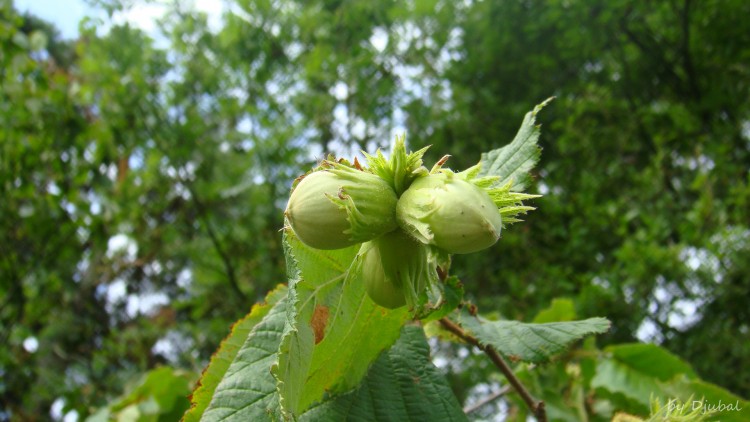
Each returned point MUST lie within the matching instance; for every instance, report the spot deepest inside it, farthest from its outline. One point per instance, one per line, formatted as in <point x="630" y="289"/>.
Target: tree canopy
<point x="144" y="175"/>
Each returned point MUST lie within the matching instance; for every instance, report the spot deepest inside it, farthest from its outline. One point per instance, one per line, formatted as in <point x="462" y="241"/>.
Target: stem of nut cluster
<point x="536" y="406"/>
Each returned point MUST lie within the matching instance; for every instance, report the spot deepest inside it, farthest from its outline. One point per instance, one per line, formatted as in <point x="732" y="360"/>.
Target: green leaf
<point x="247" y="392"/>
<point x="726" y="407"/>
<point x="160" y="395"/>
<point x="335" y="332"/>
<point x="531" y="342"/>
<point x="642" y="371"/>
<point x="452" y="293"/>
<point x="634" y="370"/>
<point x="559" y="410"/>
<point x="561" y="309"/>
<point x="515" y="160"/>
<point x="402" y="385"/>
<point x="618" y="378"/>
<point x="652" y="359"/>
<point x="226" y="354"/>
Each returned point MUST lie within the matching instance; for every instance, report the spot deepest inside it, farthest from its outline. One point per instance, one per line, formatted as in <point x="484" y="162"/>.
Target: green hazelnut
<point x="445" y="210"/>
<point x="339" y="207"/>
<point x="382" y="289"/>
<point x="395" y="269"/>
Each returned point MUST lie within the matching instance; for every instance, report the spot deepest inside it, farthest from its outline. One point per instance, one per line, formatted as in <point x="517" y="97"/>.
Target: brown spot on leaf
<point x="514" y="358"/>
<point x="319" y="321"/>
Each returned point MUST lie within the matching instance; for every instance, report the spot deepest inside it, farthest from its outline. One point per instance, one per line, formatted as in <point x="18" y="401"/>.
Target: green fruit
<point x="395" y="269"/>
<point x="446" y="211"/>
<point x="382" y="289"/>
<point x="340" y="207"/>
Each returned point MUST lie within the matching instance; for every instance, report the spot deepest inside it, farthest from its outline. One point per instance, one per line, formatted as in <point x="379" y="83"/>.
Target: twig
<point x="228" y="267"/>
<point x="485" y="400"/>
<point x="536" y="406"/>
<point x="202" y="213"/>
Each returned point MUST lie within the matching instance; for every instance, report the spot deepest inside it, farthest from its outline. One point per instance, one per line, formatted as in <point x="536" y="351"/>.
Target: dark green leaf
<point x="402" y="385"/>
<point x="228" y="350"/>
<point x="247" y="392"/>
<point x="531" y="342"/>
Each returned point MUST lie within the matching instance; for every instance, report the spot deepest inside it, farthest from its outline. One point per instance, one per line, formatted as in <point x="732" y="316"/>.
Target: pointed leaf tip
<point x="515" y="160"/>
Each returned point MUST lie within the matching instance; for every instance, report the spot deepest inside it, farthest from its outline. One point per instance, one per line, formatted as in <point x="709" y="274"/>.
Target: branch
<point x="228" y="267"/>
<point x="690" y="71"/>
<point x="486" y="400"/>
<point x="225" y="259"/>
<point x="652" y="49"/>
<point x="17" y="297"/>
<point x="536" y="406"/>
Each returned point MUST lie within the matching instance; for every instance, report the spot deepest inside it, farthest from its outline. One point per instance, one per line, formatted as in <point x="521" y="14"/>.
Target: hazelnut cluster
<point x="403" y="215"/>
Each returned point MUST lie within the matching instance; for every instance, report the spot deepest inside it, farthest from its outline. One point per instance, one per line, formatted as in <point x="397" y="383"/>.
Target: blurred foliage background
<point x="144" y="175"/>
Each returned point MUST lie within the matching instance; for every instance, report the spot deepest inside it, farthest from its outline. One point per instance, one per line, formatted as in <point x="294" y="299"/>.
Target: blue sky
<point x="65" y="14"/>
